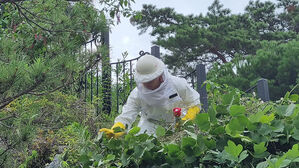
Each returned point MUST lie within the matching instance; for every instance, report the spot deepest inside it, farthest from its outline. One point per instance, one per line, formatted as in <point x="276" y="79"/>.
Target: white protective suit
<point x="155" y="106"/>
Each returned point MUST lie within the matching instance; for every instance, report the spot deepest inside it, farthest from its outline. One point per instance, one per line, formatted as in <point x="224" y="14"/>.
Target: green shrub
<point x="236" y="131"/>
<point x="35" y="121"/>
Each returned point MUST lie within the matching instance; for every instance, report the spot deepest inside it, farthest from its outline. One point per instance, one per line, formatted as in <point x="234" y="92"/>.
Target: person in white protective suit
<point x="156" y="95"/>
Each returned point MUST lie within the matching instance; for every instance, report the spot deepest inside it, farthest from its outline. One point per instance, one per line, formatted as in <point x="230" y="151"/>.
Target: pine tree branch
<point x="6" y="118"/>
<point x="10" y="1"/>
<point x="9" y="147"/>
<point x="38" y="17"/>
<point x="219" y="55"/>
<point x="8" y="100"/>
<point x="69" y="81"/>
<point x="14" y="1"/>
<point x="36" y="24"/>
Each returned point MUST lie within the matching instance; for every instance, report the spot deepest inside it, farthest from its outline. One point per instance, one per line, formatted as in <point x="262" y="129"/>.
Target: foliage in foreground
<point x="29" y="125"/>
<point x="235" y="132"/>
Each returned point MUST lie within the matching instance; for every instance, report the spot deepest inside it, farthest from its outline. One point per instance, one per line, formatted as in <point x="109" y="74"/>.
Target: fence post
<point x="155" y="51"/>
<point x="106" y="75"/>
<point x="263" y="90"/>
<point x="201" y="89"/>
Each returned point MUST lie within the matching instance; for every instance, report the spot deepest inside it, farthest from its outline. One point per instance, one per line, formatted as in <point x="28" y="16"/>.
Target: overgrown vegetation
<point x="44" y="115"/>
<point x="236" y="131"/>
<point x="33" y="123"/>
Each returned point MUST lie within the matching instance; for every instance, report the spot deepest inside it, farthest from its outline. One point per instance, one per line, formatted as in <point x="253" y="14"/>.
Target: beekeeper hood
<point x="148" y="68"/>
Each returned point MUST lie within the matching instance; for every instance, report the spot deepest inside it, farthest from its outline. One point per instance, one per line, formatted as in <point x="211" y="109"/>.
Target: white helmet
<point x="148" y="68"/>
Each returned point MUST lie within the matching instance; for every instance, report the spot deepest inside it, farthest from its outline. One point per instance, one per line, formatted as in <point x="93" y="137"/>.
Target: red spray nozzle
<point x="177" y="112"/>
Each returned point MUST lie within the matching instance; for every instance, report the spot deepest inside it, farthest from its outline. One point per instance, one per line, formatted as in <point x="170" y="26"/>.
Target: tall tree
<point x="41" y="43"/>
<point x="277" y="62"/>
<point x="217" y="36"/>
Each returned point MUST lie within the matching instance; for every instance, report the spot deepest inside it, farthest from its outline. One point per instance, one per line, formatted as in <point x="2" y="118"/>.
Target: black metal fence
<point x="109" y="91"/>
<point x="124" y="69"/>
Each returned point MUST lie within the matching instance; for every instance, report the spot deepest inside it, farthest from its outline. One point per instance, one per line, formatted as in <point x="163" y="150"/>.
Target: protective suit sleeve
<point x="130" y="110"/>
<point x="187" y="93"/>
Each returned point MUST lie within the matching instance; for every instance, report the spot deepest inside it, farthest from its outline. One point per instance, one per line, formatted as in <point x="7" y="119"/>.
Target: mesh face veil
<point x="159" y="95"/>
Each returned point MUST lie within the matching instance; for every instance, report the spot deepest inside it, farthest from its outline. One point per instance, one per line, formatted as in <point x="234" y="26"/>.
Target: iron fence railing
<point x="91" y="86"/>
<point x="129" y="72"/>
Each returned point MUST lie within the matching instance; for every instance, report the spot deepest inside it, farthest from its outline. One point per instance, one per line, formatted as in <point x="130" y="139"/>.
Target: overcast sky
<point x="125" y="37"/>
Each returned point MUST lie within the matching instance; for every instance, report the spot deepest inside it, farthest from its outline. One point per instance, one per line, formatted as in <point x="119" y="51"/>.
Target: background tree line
<point x="262" y="42"/>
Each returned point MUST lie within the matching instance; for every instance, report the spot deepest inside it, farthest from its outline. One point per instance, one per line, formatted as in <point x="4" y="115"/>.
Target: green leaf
<point x="226" y="156"/>
<point x="238" y="123"/>
<point x="188" y="142"/>
<point x="202" y="121"/>
<point x="295" y="135"/>
<point x="286" y="96"/>
<point x="85" y="160"/>
<point x="121" y="3"/>
<point x="211" y="144"/>
<point x="243" y="156"/>
<point x="218" y="130"/>
<point x="139" y="151"/>
<point x="125" y="159"/>
<point x="294" y="97"/>
<point x="187" y="145"/>
<point x="222" y="109"/>
<point x="278" y="125"/>
<point x="262" y="165"/>
<point x="265" y="129"/>
<point x="256" y="117"/>
<point x="296" y="122"/>
<point x="293" y="153"/>
<point x="110" y="157"/>
<point x="212" y="113"/>
<point x="237" y="110"/>
<point x="191" y="134"/>
<point x="189" y="159"/>
<point x="267" y="119"/>
<point x="281" y="110"/>
<point x="112" y="13"/>
<point x="160" y="131"/>
<point x="296" y="112"/>
<point x="118" y="129"/>
<point x="200" y="148"/>
<point x="173" y="150"/>
<point x="290" y="110"/>
<point x="134" y="130"/>
<point x="259" y="148"/>
<point x="233" y="149"/>
<point x="114" y="143"/>
<point x="227" y="98"/>
<point x="285" y="163"/>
